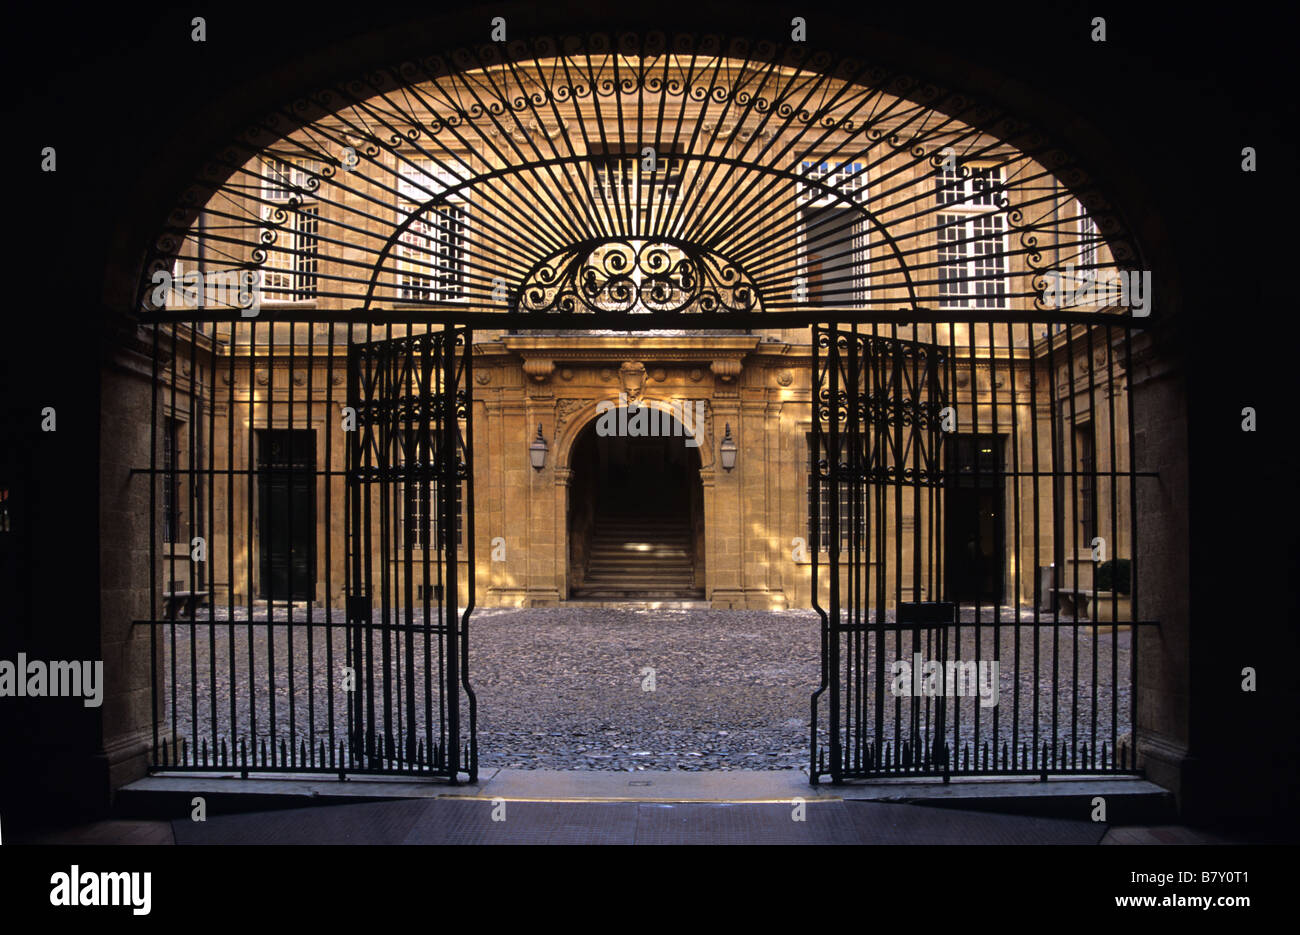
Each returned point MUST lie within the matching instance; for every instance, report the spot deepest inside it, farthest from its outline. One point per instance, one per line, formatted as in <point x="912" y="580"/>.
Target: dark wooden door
<point x="973" y="518"/>
<point x="287" y="514"/>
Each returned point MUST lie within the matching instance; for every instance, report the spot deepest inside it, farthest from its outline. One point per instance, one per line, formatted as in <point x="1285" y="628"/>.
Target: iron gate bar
<point x="855" y="403"/>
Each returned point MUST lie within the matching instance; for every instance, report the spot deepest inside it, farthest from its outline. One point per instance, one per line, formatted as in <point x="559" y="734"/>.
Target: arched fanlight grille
<point x="584" y="180"/>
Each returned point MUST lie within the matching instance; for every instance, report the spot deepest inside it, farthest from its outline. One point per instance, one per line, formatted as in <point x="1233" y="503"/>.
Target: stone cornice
<point x="631" y="347"/>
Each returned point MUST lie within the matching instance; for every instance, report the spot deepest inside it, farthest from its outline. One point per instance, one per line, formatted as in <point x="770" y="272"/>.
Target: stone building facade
<point x="698" y="208"/>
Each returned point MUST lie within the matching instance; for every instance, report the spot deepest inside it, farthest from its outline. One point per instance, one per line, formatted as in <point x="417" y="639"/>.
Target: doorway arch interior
<point x="635" y="517"/>
<point x="335" y="255"/>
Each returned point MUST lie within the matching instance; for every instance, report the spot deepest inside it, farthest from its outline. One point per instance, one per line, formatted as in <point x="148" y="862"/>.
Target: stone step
<point x="683" y="573"/>
<point x="624" y="583"/>
<point x="635" y="546"/>
<point x="655" y="528"/>
<point x="641" y="571"/>
<point x="661" y="553"/>
<point x="639" y="556"/>
<point x="633" y="536"/>
<point x="638" y="534"/>
<point x="638" y="594"/>
<point x="643" y="561"/>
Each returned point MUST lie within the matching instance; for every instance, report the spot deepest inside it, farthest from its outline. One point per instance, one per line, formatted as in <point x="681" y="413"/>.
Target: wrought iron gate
<point x="349" y="459"/>
<point x="914" y="665"/>
<point x="638" y="183"/>
<point x="409" y="475"/>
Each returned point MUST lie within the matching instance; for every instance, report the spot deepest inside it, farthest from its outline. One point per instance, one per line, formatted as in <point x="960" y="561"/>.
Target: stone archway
<point x="635" y="513"/>
<point x="794" y="285"/>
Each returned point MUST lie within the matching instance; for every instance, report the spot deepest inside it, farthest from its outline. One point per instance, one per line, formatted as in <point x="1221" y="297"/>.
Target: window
<point x="823" y="536"/>
<point x="170" y="484"/>
<point x="432" y="252"/>
<point x="1084" y="451"/>
<point x="621" y="180"/>
<point x="1088" y="238"/>
<point x="424" y="514"/>
<point x="972" y="248"/>
<point x="291" y="264"/>
<point x="832" y="268"/>
<point x="1080" y="273"/>
<point x="848" y="178"/>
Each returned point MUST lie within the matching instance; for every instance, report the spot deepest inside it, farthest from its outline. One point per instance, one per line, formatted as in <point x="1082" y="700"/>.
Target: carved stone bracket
<point x="539" y="368"/>
<point x="726" y="369"/>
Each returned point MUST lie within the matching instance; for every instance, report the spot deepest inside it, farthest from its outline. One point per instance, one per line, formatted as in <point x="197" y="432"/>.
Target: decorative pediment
<point x="638" y="276"/>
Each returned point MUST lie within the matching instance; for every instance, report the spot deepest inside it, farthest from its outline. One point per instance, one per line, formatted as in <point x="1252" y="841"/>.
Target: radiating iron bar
<point x="648" y="321"/>
<point x="503" y="206"/>
<point x="575" y="179"/>
<point x="547" y="209"/>
<point x="923" y="237"/>
<point x="714" y="228"/>
<point x="747" y="221"/>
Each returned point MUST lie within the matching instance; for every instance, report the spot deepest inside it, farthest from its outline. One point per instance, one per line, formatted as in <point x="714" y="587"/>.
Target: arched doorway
<point x="635" y="516"/>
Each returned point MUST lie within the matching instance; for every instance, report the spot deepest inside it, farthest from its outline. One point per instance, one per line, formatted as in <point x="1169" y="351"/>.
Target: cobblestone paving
<point x="566" y="688"/>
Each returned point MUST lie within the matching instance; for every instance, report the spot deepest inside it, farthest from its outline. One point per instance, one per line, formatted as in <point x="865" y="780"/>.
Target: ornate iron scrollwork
<point x="637" y="276"/>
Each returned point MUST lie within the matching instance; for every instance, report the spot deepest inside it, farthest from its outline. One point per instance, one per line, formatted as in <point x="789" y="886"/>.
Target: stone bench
<point x="1095" y="605"/>
<point x="183" y="603"/>
<point x="1071" y="600"/>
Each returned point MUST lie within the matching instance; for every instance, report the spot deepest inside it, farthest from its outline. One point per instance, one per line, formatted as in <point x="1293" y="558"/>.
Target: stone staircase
<point x="639" y="556"/>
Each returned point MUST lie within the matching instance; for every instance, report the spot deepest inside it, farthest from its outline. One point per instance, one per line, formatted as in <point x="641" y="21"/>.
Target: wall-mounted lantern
<point x="727" y="450"/>
<point x="537" y="450"/>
